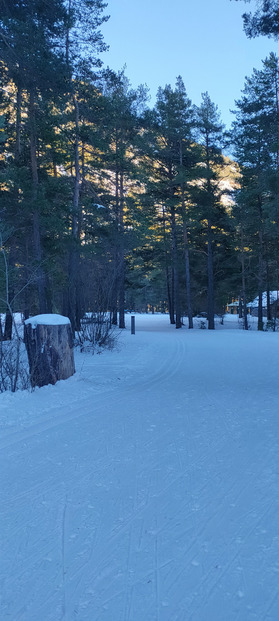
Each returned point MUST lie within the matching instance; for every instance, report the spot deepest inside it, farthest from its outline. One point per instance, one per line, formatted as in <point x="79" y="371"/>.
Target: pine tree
<point x="83" y="46"/>
<point x="264" y="21"/>
<point x="117" y="159"/>
<point x="30" y="34"/>
<point x="169" y="147"/>
<point x="208" y="192"/>
<point x="255" y="135"/>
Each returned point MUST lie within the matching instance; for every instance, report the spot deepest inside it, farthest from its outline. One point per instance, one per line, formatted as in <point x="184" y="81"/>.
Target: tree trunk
<point x="8" y="325"/>
<point x="178" y="323"/>
<point x="26" y="295"/>
<point x="188" y="277"/>
<point x="260" y="310"/>
<point x="121" y="255"/>
<point x="36" y="219"/>
<point x="170" y="297"/>
<point x="73" y="302"/>
<point x="210" y="289"/>
<point x="50" y="351"/>
<point x="18" y="123"/>
<point x="114" y="296"/>
<point x="8" y="329"/>
<point x="275" y="311"/>
<point x="260" y="281"/>
<point x="172" y="316"/>
<point x="243" y="282"/>
<point x="240" y="313"/>
<point x="210" y="272"/>
<point x="10" y="262"/>
<point x="268" y="305"/>
<point x="186" y="246"/>
<point x="168" y="283"/>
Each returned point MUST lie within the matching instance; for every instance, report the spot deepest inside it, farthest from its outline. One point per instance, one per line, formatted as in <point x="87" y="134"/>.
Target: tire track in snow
<point x="270" y="605"/>
<point x="113" y="539"/>
<point x="156" y="572"/>
<point x="205" y="593"/>
<point x="129" y="588"/>
<point x="165" y="371"/>
<point x="37" y="487"/>
<point x="159" y="376"/>
<point x="162" y="492"/>
<point x="97" y="566"/>
<point x="141" y="509"/>
<point x="210" y="577"/>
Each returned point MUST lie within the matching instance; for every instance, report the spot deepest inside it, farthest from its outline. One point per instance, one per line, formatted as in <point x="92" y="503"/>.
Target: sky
<point x="201" y="40"/>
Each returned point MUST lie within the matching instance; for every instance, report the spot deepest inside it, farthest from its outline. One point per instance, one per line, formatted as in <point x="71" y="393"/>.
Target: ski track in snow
<point x="153" y="498"/>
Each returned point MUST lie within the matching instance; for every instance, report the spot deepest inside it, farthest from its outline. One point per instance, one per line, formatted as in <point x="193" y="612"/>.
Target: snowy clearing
<point x="146" y="487"/>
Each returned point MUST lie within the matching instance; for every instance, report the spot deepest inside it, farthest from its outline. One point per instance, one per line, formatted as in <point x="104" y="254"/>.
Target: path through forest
<point x="146" y="487"/>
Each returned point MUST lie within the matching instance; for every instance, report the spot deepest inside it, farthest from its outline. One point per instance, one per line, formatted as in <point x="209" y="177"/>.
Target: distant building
<point x="252" y="307"/>
<point x="233" y="307"/>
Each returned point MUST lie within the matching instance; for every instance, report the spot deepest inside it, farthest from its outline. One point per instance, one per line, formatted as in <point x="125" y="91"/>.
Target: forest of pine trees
<point x="107" y="204"/>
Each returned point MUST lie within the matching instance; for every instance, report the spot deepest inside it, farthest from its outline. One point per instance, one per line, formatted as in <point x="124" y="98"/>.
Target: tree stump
<point x="49" y="344"/>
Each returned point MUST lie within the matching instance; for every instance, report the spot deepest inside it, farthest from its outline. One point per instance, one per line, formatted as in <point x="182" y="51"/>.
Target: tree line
<point x="107" y="204"/>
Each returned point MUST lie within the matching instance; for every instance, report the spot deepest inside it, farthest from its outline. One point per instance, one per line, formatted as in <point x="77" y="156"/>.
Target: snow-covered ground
<point x="146" y="487"/>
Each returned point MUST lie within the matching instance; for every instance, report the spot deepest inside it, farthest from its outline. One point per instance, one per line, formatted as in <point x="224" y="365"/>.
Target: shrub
<point x="14" y="373"/>
<point x="96" y="332"/>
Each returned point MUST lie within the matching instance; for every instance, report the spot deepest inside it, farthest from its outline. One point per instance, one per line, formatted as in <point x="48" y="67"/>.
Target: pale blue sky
<point x="201" y="40"/>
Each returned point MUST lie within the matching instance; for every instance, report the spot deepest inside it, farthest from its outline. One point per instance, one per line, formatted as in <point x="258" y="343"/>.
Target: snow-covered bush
<point x="241" y="323"/>
<point x="272" y="325"/>
<point x="202" y="325"/>
<point x="96" y="332"/>
<point x="14" y="373"/>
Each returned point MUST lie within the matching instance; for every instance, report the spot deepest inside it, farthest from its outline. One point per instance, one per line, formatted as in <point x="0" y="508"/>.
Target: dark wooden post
<point x="133" y="324"/>
<point x="49" y="344"/>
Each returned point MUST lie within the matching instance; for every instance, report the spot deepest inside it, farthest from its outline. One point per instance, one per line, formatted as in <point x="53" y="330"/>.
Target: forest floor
<point x="146" y="487"/>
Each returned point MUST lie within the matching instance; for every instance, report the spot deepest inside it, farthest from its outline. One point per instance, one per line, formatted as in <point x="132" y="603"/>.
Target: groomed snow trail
<point x="146" y="488"/>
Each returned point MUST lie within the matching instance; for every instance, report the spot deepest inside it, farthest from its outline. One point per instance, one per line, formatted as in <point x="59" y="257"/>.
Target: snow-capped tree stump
<point x="49" y="344"/>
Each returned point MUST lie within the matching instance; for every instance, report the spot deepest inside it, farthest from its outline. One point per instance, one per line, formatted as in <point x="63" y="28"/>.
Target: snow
<point x="146" y="486"/>
<point x="47" y="320"/>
